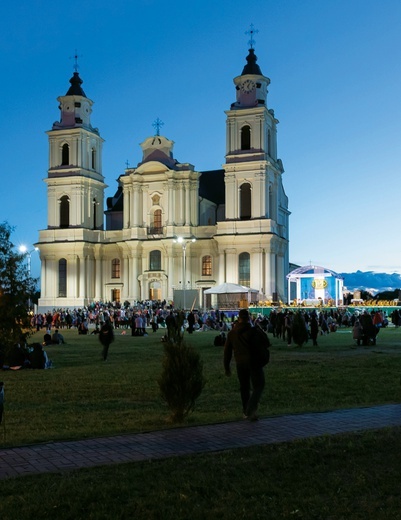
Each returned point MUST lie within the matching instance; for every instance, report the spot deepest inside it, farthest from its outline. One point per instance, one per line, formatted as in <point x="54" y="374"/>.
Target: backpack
<point x="260" y="353"/>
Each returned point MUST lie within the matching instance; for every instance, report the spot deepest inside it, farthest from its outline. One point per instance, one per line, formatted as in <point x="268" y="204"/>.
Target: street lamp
<point x="24" y="250"/>
<point x="184" y="242"/>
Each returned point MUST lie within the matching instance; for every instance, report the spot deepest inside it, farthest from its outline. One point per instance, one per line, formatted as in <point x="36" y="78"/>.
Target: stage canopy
<point x="315" y="284"/>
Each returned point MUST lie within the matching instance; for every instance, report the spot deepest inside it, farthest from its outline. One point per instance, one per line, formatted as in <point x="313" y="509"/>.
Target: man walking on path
<point x="240" y="340"/>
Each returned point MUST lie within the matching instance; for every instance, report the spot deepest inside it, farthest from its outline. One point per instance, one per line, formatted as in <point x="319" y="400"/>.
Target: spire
<point x="76" y="89"/>
<point x="251" y="67"/>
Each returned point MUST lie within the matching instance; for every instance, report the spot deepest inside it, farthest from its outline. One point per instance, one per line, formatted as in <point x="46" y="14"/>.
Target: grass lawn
<point x="352" y="476"/>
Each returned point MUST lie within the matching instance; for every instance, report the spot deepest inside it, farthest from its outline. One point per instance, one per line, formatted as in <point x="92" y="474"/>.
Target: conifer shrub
<point x="299" y="332"/>
<point x="181" y="381"/>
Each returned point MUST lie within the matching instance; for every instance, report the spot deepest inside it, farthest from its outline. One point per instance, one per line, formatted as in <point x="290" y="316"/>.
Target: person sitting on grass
<point x="17" y="357"/>
<point x="38" y="357"/>
<point x="57" y="338"/>
<point x="47" y="340"/>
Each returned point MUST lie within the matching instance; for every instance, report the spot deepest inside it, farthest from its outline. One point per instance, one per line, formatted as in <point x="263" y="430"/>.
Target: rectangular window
<point x="115" y="268"/>
<point x="207" y="266"/>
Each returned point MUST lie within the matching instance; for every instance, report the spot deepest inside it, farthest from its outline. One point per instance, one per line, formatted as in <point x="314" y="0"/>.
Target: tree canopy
<point x="16" y="288"/>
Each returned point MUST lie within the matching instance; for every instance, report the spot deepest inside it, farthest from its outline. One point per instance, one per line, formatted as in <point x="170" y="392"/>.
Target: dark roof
<point x="115" y="203"/>
<point x="76" y="89"/>
<point x="251" y="67"/>
<point x="211" y="186"/>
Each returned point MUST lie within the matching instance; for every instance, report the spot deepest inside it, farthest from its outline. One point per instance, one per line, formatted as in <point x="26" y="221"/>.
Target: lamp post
<point x="24" y="250"/>
<point x="184" y="242"/>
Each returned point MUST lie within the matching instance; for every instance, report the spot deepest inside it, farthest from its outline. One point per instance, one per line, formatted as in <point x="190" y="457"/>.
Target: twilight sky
<point x="335" y="87"/>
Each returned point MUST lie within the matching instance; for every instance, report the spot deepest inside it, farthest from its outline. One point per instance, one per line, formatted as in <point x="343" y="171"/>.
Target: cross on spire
<point x="127" y="164"/>
<point x="75" y="57"/>
<point x="251" y="31"/>
<point x="157" y="125"/>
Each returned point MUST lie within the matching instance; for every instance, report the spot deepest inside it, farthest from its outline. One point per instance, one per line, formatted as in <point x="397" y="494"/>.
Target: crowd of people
<point x="142" y="316"/>
<point x="138" y="317"/>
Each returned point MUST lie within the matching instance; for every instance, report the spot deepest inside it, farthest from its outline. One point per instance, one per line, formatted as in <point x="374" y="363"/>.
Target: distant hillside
<point x="372" y="282"/>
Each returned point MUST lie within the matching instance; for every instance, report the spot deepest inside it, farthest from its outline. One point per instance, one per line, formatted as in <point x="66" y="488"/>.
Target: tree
<point x="16" y="287"/>
<point x="181" y="381"/>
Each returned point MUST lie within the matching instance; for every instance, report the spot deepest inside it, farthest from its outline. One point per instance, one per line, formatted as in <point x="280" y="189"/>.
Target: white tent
<point x="230" y="288"/>
<point x="231" y="295"/>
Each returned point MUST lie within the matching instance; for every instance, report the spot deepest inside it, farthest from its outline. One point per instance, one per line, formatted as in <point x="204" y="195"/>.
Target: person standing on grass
<point x="314" y="329"/>
<point x="106" y="337"/>
<point x="240" y="341"/>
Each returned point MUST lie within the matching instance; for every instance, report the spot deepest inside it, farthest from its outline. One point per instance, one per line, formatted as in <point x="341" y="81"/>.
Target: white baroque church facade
<point x="169" y="229"/>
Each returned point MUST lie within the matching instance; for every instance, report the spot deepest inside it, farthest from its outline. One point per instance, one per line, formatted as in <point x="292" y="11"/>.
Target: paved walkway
<point x="61" y="456"/>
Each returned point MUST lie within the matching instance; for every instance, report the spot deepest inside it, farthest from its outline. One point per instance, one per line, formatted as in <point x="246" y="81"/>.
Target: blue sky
<point x="335" y="87"/>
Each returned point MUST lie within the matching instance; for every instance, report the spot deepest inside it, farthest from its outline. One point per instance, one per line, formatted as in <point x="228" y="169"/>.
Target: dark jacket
<point x="238" y="342"/>
<point x="37" y="357"/>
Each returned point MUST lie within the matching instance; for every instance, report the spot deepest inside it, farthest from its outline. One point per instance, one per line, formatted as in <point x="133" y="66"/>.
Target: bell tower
<point x="253" y="238"/>
<point x="75" y="182"/>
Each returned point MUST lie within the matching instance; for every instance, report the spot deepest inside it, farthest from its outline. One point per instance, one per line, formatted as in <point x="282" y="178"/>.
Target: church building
<point x="169" y="232"/>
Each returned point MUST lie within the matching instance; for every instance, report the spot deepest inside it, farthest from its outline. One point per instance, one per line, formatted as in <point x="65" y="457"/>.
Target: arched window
<point x="269" y="143"/>
<point x="244" y="269"/>
<point x="245" y="204"/>
<point x="64" y="211"/>
<point x="93" y="158"/>
<point x="65" y="155"/>
<point x="62" y="278"/>
<point x="207" y="265"/>
<point x="246" y="137"/>
<point x="155" y="260"/>
<point x="115" y="268"/>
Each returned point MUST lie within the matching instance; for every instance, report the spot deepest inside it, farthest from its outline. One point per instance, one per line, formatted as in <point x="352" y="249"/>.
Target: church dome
<point x="76" y="89"/>
<point x="251" y="67"/>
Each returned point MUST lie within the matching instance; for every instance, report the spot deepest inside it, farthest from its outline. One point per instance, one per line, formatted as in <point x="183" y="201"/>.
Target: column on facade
<point x="125" y="289"/>
<point x="98" y="278"/>
<point x="181" y="202"/>
<point x="133" y="278"/>
<point x="170" y="275"/>
<point x="257" y="268"/>
<point x="135" y="206"/>
<point x="221" y="268"/>
<point x="106" y="277"/>
<point x="270" y="274"/>
<point x="43" y="280"/>
<point x="72" y="271"/>
<point x="231" y="265"/>
<point x="187" y="204"/>
<point x="82" y="276"/>
<point x="52" y="274"/>
<point x="91" y="278"/>
<point x="79" y="200"/>
<point x="261" y="194"/>
<point x="170" y="216"/>
<point x="280" y="277"/>
<point x="53" y="208"/>
<point x="232" y="196"/>
<point x="127" y="206"/>
<point x="194" y="205"/>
